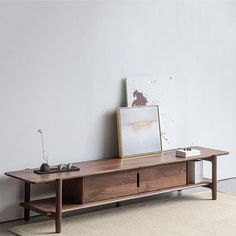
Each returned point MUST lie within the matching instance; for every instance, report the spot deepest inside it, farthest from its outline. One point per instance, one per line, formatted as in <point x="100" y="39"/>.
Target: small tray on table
<point x="56" y="170"/>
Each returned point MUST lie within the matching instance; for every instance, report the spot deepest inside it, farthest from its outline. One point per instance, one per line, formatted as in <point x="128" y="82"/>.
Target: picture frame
<point x="139" y="132"/>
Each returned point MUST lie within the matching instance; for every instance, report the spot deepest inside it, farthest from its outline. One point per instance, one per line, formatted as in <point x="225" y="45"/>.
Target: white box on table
<point x="188" y="153"/>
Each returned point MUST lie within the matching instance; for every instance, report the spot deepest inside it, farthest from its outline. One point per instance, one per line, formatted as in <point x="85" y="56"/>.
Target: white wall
<point x="61" y="69"/>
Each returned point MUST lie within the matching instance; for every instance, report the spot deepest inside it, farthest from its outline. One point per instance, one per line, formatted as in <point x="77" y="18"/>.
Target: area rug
<point x="187" y="215"/>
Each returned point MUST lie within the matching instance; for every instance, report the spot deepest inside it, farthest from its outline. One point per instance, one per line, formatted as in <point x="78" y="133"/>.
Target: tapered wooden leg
<point x="27" y="199"/>
<point x="179" y="192"/>
<point x="58" y="217"/>
<point x="214" y="178"/>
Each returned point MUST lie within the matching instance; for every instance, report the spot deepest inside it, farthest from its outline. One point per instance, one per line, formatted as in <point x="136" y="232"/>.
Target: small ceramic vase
<point x="45" y="167"/>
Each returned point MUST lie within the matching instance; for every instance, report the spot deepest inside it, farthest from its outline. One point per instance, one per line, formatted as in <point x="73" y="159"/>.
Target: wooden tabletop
<point x="112" y="165"/>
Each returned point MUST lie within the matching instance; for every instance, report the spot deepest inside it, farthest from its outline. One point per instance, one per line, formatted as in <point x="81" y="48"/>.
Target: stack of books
<point x="196" y="171"/>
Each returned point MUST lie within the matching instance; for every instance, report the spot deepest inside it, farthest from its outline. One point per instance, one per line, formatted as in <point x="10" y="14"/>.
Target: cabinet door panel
<point x="108" y="186"/>
<point x="161" y="177"/>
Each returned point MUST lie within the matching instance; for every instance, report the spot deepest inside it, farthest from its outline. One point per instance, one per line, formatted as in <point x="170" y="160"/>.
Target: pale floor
<point x="226" y="186"/>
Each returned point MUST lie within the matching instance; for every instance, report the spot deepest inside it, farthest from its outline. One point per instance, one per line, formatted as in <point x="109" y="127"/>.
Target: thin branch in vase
<point x="45" y="157"/>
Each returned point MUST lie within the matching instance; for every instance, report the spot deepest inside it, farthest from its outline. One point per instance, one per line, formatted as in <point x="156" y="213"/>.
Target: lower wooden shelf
<point x="47" y="206"/>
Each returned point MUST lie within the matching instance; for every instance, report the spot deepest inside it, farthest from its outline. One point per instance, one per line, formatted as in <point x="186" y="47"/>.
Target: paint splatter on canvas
<point x="144" y="91"/>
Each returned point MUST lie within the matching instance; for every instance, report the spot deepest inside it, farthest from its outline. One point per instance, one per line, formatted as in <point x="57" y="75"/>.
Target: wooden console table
<point x="114" y="180"/>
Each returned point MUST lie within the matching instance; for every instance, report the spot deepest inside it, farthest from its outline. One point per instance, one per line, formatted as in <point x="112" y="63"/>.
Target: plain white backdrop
<point x="62" y="66"/>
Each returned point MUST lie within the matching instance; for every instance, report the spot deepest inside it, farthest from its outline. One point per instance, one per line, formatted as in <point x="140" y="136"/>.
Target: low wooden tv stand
<point x="114" y="180"/>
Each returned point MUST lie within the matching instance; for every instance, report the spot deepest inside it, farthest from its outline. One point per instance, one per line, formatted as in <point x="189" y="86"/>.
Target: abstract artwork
<point x="138" y="131"/>
<point x="141" y="91"/>
<point x="146" y="91"/>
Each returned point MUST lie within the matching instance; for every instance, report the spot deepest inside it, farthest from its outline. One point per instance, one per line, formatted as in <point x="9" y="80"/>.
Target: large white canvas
<point x="148" y="90"/>
<point x="139" y="131"/>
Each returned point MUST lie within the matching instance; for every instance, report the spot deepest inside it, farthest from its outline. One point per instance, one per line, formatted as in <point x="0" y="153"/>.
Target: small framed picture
<point x="138" y="131"/>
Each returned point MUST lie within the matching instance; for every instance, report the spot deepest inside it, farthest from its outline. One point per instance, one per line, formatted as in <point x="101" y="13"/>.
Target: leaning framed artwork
<point x="139" y="131"/>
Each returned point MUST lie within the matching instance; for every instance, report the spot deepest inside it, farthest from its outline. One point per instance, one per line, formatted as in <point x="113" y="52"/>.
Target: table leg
<point x="179" y="193"/>
<point x="214" y="177"/>
<point x="58" y="217"/>
<point x="27" y="199"/>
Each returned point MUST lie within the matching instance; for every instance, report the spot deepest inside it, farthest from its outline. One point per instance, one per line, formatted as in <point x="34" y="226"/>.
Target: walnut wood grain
<point x="111" y="165"/>
<point x="47" y="206"/>
<point x="107" y="186"/>
<point x="72" y="191"/>
<point x="114" y="180"/>
<point x="214" y="178"/>
<point x="58" y="216"/>
<point x="27" y="199"/>
<point x="161" y="177"/>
